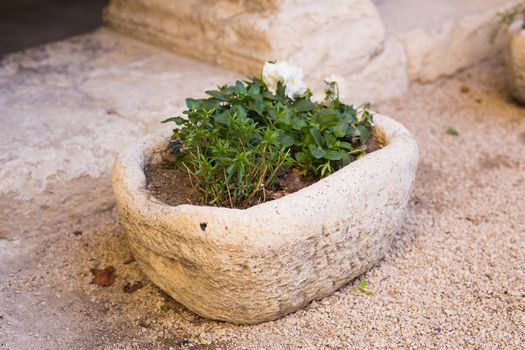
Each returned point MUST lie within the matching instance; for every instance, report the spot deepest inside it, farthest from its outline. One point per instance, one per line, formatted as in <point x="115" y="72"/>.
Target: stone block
<point x="324" y="37"/>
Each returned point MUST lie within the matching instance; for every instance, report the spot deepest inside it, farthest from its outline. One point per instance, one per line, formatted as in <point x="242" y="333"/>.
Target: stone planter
<point x="516" y="62"/>
<point x="260" y="263"/>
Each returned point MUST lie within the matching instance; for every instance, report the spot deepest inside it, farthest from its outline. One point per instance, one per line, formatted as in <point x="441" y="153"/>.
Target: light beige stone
<point x="69" y="107"/>
<point x="324" y="37"/>
<point x="463" y="231"/>
<point x="442" y="37"/>
<point x="384" y="77"/>
<point x="515" y="59"/>
<point x="318" y="35"/>
<point x="258" y="264"/>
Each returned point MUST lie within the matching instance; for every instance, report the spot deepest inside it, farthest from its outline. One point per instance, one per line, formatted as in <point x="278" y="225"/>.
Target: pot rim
<point x="329" y="196"/>
<point x="140" y="155"/>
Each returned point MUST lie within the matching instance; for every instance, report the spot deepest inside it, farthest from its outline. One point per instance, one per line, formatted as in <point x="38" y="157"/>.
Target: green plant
<point x="452" y="131"/>
<point x="237" y="141"/>
<point x="507" y="17"/>
<point x="362" y="288"/>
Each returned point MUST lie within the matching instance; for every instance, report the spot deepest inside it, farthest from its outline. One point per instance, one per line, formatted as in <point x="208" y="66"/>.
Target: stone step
<point x="442" y="37"/>
<point x="69" y="107"/>
<point x="324" y="37"/>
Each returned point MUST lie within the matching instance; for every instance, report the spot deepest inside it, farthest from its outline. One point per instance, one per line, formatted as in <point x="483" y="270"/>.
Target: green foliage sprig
<point x="235" y="142"/>
<point x="507" y="17"/>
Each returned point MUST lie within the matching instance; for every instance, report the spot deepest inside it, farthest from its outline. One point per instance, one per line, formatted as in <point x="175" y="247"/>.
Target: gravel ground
<point x="454" y="279"/>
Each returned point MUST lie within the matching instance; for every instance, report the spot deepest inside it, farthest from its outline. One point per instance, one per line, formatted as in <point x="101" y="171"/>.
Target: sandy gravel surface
<point x="455" y="278"/>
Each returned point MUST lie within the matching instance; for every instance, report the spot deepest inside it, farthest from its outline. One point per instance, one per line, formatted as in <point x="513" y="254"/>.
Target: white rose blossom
<point x="291" y="76"/>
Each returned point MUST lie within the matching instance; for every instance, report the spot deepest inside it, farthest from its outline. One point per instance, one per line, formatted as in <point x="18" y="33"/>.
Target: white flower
<point x="286" y="73"/>
<point x="362" y="110"/>
<point x="270" y="76"/>
<point x="295" y="86"/>
<point x="340" y="82"/>
<point x="318" y="97"/>
<point x="335" y="88"/>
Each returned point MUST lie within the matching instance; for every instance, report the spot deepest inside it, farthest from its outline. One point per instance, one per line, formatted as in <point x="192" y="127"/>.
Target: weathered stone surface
<point x="515" y="59"/>
<point x="257" y="264"/>
<point x="463" y="231"/>
<point x="67" y="108"/>
<point x="384" y="77"/>
<point x="442" y="37"/>
<point x="343" y="37"/>
<point x="320" y="35"/>
<point x="324" y="37"/>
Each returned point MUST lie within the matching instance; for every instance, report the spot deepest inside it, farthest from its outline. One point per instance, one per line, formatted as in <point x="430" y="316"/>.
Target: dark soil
<point x="173" y="186"/>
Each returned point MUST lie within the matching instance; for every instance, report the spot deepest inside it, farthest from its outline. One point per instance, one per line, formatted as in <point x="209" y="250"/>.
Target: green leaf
<point x="177" y="120"/>
<point x="340" y="129"/>
<point x="286" y="140"/>
<point x="316" y="151"/>
<point x="221" y="119"/>
<point x="345" y="158"/>
<point x="329" y="139"/>
<point x="240" y="111"/>
<point x="165" y="307"/>
<point x="300" y="156"/>
<point x="254" y="88"/>
<point x="284" y="117"/>
<point x="298" y="123"/>
<point x="259" y="105"/>
<point x="352" y="132"/>
<point x="230" y="170"/>
<point x="256" y="105"/>
<point x="239" y="87"/>
<point x="345" y="145"/>
<point x="217" y="94"/>
<point x="362" y="288"/>
<point x="328" y="118"/>
<point x="317" y="136"/>
<point x="333" y="155"/>
<point x="267" y="95"/>
<point x="363" y="134"/>
<point x="349" y="116"/>
<point x="303" y="105"/>
<point x="192" y="103"/>
<point x="210" y="104"/>
<point x="452" y="131"/>
<point x="325" y="168"/>
<point x="272" y="112"/>
<point x="360" y="155"/>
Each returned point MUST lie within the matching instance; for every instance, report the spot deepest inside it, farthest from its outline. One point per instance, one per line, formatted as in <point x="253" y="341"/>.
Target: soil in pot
<point x="173" y="186"/>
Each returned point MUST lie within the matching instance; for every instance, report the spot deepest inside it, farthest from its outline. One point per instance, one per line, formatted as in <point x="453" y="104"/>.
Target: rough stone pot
<point x="258" y="264"/>
<point x="515" y="59"/>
